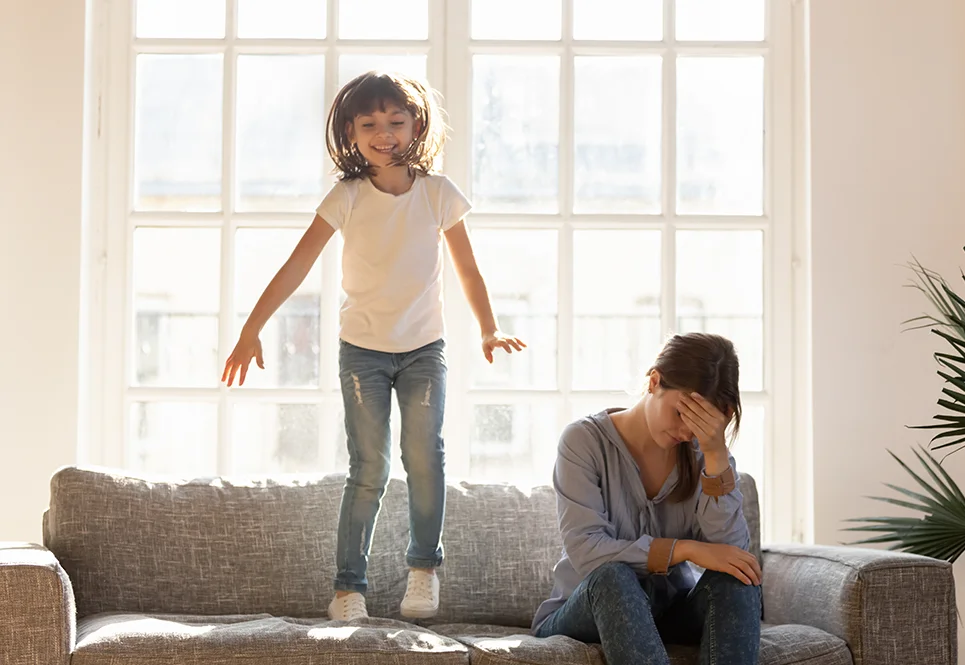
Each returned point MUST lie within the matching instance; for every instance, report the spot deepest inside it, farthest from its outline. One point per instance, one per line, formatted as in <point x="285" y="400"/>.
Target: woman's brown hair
<point x="374" y="90"/>
<point x="706" y="364"/>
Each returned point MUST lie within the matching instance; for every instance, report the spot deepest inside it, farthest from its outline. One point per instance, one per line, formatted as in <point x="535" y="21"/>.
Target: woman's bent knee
<point x="728" y="589"/>
<point x="614" y="579"/>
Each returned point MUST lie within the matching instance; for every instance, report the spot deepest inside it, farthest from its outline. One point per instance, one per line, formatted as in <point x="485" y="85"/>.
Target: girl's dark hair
<point x="706" y="364"/>
<point x="374" y="90"/>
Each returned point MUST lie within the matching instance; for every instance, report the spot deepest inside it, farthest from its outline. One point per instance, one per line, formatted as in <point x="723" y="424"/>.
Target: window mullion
<point x="786" y="515"/>
<point x="565" y="314"/>
<point x="668" y="264"/>
<point x="328" y="320"/>
<point x="228" y="170"/>
<point x="457" y="86"/>
<point x="107" y="388"/>
<point x="438" y="51"/>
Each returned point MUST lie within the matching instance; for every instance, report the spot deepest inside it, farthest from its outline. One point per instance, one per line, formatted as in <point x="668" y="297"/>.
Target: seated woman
<point x="642" y="493"/>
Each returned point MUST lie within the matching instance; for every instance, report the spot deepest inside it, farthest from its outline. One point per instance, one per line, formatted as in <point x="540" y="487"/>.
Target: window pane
<point x="748" y="449"/>
<point x="525" y="302"/>
<point x="720" y="135"/>
<point x="638" y="19"/>
<point x="176" y="305"/>
<point x="511" y="19"/>
<point x="616" y="307"/>
<point x="293" y="19"/>
<point x="720" y="289"/>
<point x="587" y="406"/>
<point x="176" y="438"/>
<point x="275" y="438"/>
<point x="383" y="19"/>
<point x="177" y="133"/>
<point x="281" y="132"/>
<point x="180" y="18"/>
<point x="617" y="167"/>
<point x="513" y="443"/>
<point x="720" y="20"/>
<point x="290" y="340"/>
<point x="350" y="66"/>
<point x="516" y="109"/>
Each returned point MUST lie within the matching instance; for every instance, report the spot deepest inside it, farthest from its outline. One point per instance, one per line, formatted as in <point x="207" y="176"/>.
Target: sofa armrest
<point x="37" y="620"/>
<point x="889" y="607"/>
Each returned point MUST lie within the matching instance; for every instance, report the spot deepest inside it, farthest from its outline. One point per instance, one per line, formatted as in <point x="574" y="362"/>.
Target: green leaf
<point x="921" y="482"/>
<point x="923" y="317"/>
<point x="911" y="527"/>
<point x="923" y="326"/>
<point x="958" y="494"/>
<point x="926" y="321"/>
<point x="958" y="397"/>
<point x="932" y="285"/>
<point x="946" y="489"/>
<point x="936" y="425"/>
<point x="958" y="303"/>
<point x="926" y="502"/>
<point x="958" y="383"/>
<point x="945" y="358"/>
<point x="906" y="504"/>
<point x="950" y="433"/>
<point x="954" y="341"/>
<point x="946" y="445"/>
<point x="949" y="417"/>
<point x="949" y="444"/>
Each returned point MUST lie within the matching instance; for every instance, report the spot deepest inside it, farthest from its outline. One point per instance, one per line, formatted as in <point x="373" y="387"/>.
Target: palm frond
<point x="940" y="533"/>
<point x="945" y="484"/>
<point x="949" y="305"/>
<point x="940" y="530"/>
<point x="935" y="289"/>
<point x="949" y="426"/>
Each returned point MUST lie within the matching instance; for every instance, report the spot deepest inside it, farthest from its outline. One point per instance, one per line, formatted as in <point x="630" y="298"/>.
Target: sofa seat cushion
<point x="497" y="645"/>
<point x="136" y="639"/>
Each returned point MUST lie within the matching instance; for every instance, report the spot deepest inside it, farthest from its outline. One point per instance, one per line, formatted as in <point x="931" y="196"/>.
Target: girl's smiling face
<point x="382" y="135"/>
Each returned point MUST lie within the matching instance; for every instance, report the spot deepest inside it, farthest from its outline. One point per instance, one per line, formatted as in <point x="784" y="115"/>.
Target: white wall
<point x="41" y="129"/>
<point x="888" y="180"/>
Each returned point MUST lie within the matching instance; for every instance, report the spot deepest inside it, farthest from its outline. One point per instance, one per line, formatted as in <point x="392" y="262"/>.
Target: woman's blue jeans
<point x="612" y="607"/>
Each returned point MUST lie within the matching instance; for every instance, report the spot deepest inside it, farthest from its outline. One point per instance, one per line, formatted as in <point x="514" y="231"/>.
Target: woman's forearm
<point x="683" y="551"/>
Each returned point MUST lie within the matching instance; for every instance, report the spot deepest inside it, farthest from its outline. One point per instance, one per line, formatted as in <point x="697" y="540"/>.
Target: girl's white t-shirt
<point x="392" y="259"/>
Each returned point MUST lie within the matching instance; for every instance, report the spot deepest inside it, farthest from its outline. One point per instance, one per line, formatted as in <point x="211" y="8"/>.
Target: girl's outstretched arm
<point x="279" y="289"/>
<point x="473" y="285"/>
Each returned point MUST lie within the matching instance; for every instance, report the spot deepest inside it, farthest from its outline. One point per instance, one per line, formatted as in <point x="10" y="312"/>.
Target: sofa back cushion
<point x="224" y="546"/>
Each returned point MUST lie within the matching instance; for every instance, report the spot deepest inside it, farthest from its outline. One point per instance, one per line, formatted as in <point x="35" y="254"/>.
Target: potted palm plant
<point x="940" y="532"/>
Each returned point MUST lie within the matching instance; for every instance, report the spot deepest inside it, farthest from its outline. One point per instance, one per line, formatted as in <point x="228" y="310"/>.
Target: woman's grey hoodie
<point x="605" y="515"/>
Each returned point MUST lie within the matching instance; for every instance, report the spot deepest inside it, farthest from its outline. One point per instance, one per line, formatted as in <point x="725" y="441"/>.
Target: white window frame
<point x="108" y="311"/>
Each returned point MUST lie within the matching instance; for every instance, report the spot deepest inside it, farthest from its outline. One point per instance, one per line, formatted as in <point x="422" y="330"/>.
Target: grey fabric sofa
<point x="142" y="572"/>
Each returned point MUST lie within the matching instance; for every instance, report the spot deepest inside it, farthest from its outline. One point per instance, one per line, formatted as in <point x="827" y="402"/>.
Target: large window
<point x="629" y="165"/>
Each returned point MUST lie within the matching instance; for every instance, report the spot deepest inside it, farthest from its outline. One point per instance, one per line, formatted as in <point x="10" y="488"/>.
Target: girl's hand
<point x="706" y="422"/>
<point x="497" y="339"/>
<point x="248" y="347"/>
<point x="724" y="559"/>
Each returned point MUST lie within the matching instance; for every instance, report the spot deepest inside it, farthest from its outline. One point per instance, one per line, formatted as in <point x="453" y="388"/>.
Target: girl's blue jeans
<point x="367" y="378"/>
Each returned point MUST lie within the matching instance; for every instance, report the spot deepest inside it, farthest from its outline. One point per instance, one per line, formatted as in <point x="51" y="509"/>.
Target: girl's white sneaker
<point x="421" y="595"/>
<point x="348" y="608"/>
